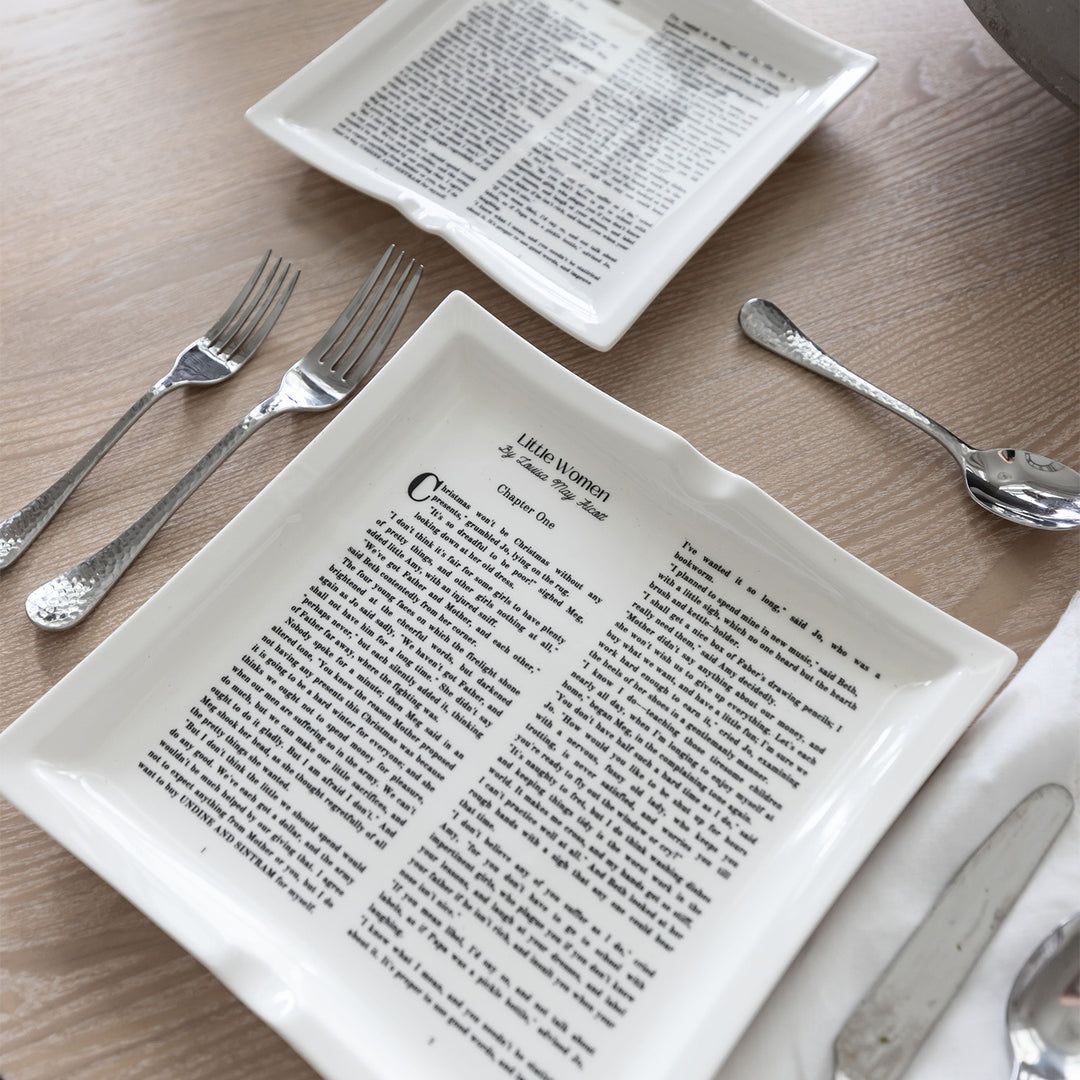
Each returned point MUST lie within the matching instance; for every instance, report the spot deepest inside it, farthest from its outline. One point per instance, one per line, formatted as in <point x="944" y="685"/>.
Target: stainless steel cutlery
<point x="322" y="379"/>
<point x="885" y="1031"/>
<point x="211" y="359"/>
<point x="1018" y="485"/>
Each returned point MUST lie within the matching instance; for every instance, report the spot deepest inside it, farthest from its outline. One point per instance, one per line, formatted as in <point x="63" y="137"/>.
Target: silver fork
<point x="219" y="353"/>
<point x="322" y="379"/>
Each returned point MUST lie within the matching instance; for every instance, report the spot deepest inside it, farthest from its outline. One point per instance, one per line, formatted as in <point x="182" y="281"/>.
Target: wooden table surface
<point x="926" y="233"/>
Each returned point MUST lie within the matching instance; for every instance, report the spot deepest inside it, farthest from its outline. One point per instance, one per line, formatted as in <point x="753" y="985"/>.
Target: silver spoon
<point x="1014" y="484"/>
<point x="1043" y="1013"/>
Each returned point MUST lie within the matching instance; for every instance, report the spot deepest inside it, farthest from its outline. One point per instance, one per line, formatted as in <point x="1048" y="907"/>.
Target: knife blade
<point x="889" y="1025"/>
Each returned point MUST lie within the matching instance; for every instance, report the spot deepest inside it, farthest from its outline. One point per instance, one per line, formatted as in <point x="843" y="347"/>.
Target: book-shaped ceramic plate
<point x="502" y="734"/>
<point x="578" y="151"/>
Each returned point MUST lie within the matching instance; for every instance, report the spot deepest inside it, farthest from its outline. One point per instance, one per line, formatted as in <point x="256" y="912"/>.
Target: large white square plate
<point x="578" y="151"/>
<point x="829" y="689"/>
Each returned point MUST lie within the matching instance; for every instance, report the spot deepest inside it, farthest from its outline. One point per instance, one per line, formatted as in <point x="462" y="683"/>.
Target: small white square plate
<point x="577" y="151"/>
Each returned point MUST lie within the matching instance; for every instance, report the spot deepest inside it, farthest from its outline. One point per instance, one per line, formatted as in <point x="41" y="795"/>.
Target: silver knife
<point x="884" y="1032"/>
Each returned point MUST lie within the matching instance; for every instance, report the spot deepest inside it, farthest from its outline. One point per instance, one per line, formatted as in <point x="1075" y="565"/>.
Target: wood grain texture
<point x="926" y="234"/>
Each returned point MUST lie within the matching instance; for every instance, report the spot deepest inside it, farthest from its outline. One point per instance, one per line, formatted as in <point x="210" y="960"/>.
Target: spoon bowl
<point x="1043" y="1013"/>
<point x="1022" y="487"/>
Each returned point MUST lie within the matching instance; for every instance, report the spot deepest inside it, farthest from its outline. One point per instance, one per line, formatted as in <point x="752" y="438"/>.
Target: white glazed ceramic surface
<point x="464" y="397"/>
<point x="590" y="179"/>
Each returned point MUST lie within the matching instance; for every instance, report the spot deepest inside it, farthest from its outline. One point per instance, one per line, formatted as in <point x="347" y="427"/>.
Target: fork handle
<point x="19" y="531"/>
<point x="71" y="596"/>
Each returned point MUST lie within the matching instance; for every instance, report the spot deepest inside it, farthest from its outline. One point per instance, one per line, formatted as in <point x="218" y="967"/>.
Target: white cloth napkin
<point x="1028" y="736"/>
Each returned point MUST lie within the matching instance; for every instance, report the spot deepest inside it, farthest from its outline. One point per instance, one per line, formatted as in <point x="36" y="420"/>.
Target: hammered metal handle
<point x="19" y="530"/>
<point x="72" y="595"/>
<point x="762" y="321"/>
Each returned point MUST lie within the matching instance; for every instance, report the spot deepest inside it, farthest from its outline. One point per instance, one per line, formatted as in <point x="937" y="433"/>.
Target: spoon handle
<point x="765" y="323"/>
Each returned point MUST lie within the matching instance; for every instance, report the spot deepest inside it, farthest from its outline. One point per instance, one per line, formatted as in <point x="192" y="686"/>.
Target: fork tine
<point x="362" y="306"/>
<point x="326" y="342"/>
<point x="378" y="332"/>
<point x="241" y="296"/>
<point x="228" y="341"/>
<point x="392" y="320"/>
<point x="259" y="327"/>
